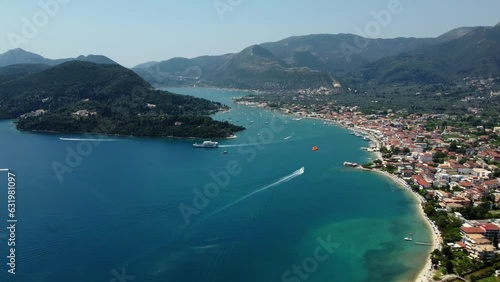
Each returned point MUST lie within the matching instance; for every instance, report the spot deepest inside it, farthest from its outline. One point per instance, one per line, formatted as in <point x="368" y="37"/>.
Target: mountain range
<point x="314" y="61"/>
<point x="20" y="56"/>
<point x="476" y="53"/>
<point x="319" y="61"/>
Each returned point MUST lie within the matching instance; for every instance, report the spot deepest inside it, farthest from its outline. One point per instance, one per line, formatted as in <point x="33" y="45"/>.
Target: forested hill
<point x="476" y="54"/>
<point x="83" y="97"/>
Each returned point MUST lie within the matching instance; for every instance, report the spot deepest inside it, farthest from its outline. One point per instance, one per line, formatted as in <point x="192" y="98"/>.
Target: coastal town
<point x="450" y="163"/>
<point x="453" y="170"/>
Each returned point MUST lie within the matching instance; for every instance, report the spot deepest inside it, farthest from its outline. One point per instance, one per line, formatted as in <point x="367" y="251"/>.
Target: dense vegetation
<point x="454" y="260"/>
<point x="13" y="72"/>
<point x="340" y="53"/>
<point x="327" y="53"/>
<point x="476" y="54"/>
<point x="151" y="125"/>
<point x="457" y="73"/>
<point x="114" y="100"/>
<point x="253" y="68"/>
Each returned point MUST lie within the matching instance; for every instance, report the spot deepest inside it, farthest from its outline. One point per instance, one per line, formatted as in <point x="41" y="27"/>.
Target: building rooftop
<point x="472" y="230"/>
<point x="485" y="248"/>
<point x="490" y="227"/>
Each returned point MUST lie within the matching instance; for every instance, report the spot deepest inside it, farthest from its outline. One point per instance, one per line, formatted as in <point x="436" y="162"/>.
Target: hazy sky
<point x="133" y="32"/>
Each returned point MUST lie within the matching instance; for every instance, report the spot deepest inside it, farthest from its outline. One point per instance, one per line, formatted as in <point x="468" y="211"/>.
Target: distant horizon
<point x="201" y="55"/>
<point x="137" y="33"/>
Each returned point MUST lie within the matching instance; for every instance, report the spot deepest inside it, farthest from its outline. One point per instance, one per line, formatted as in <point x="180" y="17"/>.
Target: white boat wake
<point x="89" y="139"/>
<point x="238" y="145"/>
<point x="282" y="180"/>
<point x="288" y="137"/>
<point x="232" y="146"/>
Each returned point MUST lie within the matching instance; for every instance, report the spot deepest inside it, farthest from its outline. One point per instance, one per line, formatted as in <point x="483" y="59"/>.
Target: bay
<point x="130" y="206"/>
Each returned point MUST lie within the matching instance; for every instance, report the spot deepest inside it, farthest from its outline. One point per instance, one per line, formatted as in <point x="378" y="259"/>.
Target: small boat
<point x="225" y="152"/>
<point x="408" y="239"/>
<point x="206" y="144"/>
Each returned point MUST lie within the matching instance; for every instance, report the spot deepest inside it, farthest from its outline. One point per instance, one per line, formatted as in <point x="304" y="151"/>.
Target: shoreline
<point x="427" y="272"/>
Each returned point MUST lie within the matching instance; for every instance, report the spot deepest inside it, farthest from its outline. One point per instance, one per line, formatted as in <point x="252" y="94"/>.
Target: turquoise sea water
<point x="118" y="211"/>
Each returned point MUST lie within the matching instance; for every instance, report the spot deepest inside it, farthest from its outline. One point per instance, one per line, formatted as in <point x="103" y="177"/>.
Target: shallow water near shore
<point x="118" y="209"/>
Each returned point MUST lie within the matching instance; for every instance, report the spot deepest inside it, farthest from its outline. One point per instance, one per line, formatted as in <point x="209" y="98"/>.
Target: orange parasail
<point x="315" y="148"/>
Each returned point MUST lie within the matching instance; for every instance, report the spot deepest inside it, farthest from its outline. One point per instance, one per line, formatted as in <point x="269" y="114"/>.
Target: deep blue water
<point x="118" y="207"/>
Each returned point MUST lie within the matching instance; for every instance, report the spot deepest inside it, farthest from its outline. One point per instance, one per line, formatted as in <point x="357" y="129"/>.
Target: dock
<point x="423" y="244"/>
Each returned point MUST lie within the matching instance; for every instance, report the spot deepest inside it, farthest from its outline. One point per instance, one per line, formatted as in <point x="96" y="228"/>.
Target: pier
<point x="423" y="244"/>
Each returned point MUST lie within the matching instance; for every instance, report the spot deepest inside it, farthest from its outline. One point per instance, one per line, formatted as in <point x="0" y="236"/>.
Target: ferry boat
<point x="206" y="144"/>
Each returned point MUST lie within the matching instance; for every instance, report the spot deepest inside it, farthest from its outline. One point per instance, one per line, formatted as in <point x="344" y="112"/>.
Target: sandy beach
<point x="427" y="272"/>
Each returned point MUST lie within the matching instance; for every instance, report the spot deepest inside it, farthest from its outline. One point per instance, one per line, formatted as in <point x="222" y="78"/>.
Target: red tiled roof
<point x="490" y="227"/>
<point x="423" y="182"/>
<point x="461" y="244"/>
<point x="465" y="184"/>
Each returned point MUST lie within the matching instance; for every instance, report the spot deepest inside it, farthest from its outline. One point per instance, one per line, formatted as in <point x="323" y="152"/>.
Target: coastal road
<point x="452" y="277"/>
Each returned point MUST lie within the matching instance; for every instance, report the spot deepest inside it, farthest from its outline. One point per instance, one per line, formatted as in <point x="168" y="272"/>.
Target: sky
<point x="134" y="32"/>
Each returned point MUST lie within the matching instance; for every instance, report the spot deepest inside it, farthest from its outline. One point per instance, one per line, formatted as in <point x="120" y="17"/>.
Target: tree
<point x="495" y="241"/>
<point x="429" y="209"/>
<point x="449" y="267"/>
<point x="436" y="257"/>
<point x="447" y="252"/>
